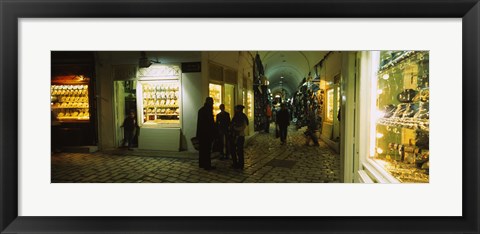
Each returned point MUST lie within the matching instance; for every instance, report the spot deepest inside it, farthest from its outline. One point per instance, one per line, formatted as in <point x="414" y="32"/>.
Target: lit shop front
<point x="70" y="98"/>
<point x="155" y="96"/>
<point x="159" y="107"/>
<point x="215" y="92"/>
<point x="72" y="106"/>
<point x="398" y="135"/>
<point x="221" y="88"/>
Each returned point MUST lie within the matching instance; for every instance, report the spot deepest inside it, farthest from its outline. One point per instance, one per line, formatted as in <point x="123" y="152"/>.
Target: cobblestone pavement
<point x="266" y="161"/>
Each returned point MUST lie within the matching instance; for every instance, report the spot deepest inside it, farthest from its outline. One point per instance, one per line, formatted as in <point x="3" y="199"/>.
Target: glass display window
<point x="229" y="98"/>
<point x="70" y="102"/>
<point x="330" y="99"/>
<point x="338" y="99"/>
<point x="249" y="105"/>
<point x="400" y="119"/>
<point x="215" y="91"/>
<point x="159" y="104"/>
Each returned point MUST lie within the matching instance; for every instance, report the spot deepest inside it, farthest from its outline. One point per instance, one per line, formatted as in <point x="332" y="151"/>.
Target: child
<point x="129" y="125"/>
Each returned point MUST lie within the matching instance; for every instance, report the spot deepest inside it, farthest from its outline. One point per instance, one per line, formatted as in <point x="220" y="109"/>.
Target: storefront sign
<point x="159" y="71"/>
<point x="191" y="67"/>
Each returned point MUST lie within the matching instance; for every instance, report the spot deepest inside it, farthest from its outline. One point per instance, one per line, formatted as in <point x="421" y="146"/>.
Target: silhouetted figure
<point x="268" y="115"/>
<point x="283" y="121"/>
<point x="223" y="124"/>
<point x="312" y="127"/>
<point x="239" y="123"/>
<point x="205" y="133"/>
<point x="130" y="126"/>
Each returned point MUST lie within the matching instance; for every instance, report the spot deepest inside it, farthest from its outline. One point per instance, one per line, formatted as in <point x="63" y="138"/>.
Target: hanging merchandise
<point x="260" y="96"/>
<point x="260" y="106"/>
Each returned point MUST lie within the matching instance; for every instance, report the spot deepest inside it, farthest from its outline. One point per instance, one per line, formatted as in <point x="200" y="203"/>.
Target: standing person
<point x="129" y="126"/>
<point x="223" y="123"/>
<point x="283" y="121"/>
<point x="205" y="133"/>
<point x="312" y="127"/>
<point x="268" y="115"/>
<point x="239" y="123"/>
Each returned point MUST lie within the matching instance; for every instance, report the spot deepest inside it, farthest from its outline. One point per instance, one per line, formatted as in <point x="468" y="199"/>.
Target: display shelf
<point x="74" y="118"/>
<point x="57" y="107"/>
<point x="403" y="172"/>
<point x="410" y="123"/>
<point x="402" y="122"/>
<point x="70" y="102"/>
<point x="161" y="102"/>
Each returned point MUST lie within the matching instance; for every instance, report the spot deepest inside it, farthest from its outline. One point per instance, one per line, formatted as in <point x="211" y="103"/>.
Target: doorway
<point x="125" y="101"/>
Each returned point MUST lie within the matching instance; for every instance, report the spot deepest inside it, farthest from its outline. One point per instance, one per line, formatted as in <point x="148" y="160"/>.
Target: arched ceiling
<point x="293" y="66"/>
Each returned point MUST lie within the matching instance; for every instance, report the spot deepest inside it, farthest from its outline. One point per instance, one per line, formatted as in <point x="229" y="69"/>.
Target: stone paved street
<point x="266" y="161"/>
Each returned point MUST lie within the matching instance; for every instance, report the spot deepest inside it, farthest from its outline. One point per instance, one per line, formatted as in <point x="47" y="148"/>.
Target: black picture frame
<point x="11" y="11"/>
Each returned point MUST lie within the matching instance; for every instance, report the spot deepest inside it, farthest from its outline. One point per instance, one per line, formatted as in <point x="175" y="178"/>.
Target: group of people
<point x="282" y="121"/>
<point x="230" y="134"/>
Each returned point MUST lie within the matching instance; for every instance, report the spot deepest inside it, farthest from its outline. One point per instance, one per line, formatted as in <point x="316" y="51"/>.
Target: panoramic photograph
<point x="239" y="116"/>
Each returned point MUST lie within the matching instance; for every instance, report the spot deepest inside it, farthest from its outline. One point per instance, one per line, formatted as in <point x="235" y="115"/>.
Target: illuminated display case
<point x="400" y="137"/>
<point x="70" y="100"/>
<point x="229" y="98"/>
<point x="215" y="91"/>
<point x="160" y="102"/>
<point x="330" y="104"/>
<point x="249" y="105"/>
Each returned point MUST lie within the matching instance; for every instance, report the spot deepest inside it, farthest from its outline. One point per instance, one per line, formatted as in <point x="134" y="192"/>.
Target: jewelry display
<point x="403" y="125"/>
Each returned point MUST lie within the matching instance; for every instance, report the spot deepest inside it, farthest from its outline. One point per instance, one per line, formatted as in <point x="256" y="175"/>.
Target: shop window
<point x="70" y="98"/>
<point x="229" y="98"/>
<point x="338" y="100"/>
<point x="399" y="134"/>
<point x="160" y="102"/>
<point x="215" y="91"/>
<point x="249" y="105"/>
<point x="330" y="104"/>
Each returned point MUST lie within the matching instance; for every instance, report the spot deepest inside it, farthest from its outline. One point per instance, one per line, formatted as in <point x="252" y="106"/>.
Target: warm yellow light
<point x="379" y="135"/>
<point x="379" y="150"/>
<point x="386" y="76"/>
<point x="380" y="91"/>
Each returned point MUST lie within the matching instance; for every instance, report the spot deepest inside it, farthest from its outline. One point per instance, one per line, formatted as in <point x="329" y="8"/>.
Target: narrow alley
<point x="266" y="161"/>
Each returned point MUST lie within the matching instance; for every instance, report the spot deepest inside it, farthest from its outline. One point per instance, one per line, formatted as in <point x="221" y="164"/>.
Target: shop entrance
<point x="125" y="102"/>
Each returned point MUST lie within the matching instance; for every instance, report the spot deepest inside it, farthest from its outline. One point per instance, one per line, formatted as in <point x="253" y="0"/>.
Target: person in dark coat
<point x="283" y="121"/>
<point x="223" y="124"/>
<point x="239" y="124"/>
<point x="130" y="126"/>
<point x="205" y="133"/>
<point x="312" y="128"/>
